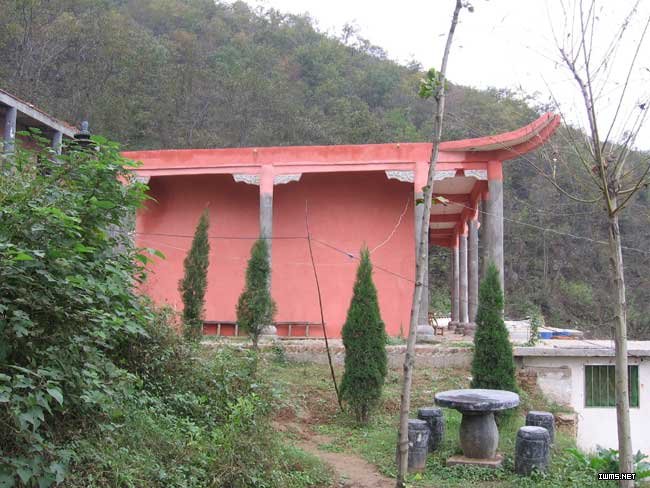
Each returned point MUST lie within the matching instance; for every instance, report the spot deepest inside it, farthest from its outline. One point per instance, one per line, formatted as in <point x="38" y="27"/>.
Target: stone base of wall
<point x="425" y="355"/>
<point x="527" y="379"/>
<point x="568" y="422"/>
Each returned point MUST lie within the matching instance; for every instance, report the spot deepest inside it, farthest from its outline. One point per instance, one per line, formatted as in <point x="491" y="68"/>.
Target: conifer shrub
<point x="493" y="365"/>
<point x="195" y="281"/>
<point x="256" y="308"/>
<point x="364" y="338"/>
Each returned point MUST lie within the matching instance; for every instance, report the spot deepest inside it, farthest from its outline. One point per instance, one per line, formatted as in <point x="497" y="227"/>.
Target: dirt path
<point x="351" y="470"/>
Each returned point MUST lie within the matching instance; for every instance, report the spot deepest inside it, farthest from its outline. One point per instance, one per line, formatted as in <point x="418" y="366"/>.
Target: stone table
<point x="479" y="436"/>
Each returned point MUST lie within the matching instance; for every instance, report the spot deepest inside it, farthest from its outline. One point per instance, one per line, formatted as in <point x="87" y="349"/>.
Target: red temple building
<point x="352" y="195"/>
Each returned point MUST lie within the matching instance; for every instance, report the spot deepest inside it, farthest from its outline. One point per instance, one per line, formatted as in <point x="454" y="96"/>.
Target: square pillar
<point x="425" y="332"/>
<point x="9" y="137"/>
<point x="57" y="142"/>
<point x="266" y="227"/>
<point x="462" y="254"/>
<point x="472" y="269"/>
<point x="455" y="283"/>
<point x="494" y="220"/>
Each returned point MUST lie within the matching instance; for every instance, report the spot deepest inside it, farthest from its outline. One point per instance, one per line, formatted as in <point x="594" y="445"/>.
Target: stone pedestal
<point x="542" y="419"/>
<point x="469" y="329"/>
<point x="532" y="450"/>
<point x="418" y="445"/>
<point x="436" y="421"/>
<point x="479" y="436"/>
<point x="495" y="462"/>
<point x="269" y="333"/>
<point x="454" y="326"/>
<point x="426" y="334"/>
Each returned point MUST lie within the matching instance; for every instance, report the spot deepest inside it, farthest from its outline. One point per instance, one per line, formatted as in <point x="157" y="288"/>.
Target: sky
<point x="503" y="44"/>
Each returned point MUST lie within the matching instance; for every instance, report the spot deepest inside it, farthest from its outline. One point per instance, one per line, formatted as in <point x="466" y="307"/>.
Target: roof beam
<point x="36" y="114"/>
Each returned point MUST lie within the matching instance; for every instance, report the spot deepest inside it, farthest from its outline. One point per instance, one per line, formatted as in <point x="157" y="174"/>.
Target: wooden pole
<point x="421" y="263"/>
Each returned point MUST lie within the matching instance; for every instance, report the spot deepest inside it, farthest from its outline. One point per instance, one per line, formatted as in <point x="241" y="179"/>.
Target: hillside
<point x="192" y="73"/>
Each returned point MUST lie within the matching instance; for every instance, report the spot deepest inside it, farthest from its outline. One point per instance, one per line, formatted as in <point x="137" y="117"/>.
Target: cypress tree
<point x="493" y="365"/>
<point x="364" y="338"/>
<point x="195" y="280"/>
<point x="256" y="308"/>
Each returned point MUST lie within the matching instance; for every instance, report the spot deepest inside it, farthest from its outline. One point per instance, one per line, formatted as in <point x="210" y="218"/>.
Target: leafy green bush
<point x="96" y="386"/>
<point x="493" y="365"/>
<point x="195" y="281"/>
<point x="364" y="338"/>
<point x="68" y="275"/>
<point x="606" y="461"/>
<point x="256" y="308"/>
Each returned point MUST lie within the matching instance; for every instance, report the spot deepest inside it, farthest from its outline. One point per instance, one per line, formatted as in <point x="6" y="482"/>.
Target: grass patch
<point x="306" y="388"/>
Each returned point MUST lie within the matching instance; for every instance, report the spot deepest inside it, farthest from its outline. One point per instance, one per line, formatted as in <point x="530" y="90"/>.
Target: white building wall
<point x="596" y="425"/>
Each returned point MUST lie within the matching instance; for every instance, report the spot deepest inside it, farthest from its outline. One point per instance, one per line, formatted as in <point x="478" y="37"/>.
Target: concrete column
<point x="452" y="288"/>
<point x="472" y="270"/>
<point x="462" y="254"/>
<point x="494" y="220"/>
<point x="266" y="226"/>
<point x="455" y="284"/>
<point x="10" y="130"/>
<point x="425" y="332"/>
<point x="57" y="142"/>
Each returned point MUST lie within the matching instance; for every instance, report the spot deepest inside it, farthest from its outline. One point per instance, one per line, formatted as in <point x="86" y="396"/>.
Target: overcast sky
<point x="504" y="43"/>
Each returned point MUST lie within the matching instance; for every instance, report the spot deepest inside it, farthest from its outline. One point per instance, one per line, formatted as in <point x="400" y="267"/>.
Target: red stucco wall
<point x="345" y="210"/>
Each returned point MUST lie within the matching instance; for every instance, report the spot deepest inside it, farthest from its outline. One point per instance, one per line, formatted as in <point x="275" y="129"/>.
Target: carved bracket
<point x="246" y="178"/>
<point x="443" y="175"/>
<point x="405" y="176"/>
<point x="479" y="174"/>
<point x="284" y="179"/>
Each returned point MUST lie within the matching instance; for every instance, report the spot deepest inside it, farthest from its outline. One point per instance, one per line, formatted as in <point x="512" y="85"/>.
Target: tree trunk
<point x="421" y="265"/>
<point x="620" y="341"/>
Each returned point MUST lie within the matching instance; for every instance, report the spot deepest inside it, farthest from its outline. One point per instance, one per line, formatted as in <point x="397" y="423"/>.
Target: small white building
<point x="580" y="374"/>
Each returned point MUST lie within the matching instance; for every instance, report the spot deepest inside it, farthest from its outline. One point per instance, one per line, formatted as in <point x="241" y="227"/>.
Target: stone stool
<point x="542" y="419"/>
<point x="436" y="421"/>
<point x="532" y="449"/>
<point x="418" y="445"/>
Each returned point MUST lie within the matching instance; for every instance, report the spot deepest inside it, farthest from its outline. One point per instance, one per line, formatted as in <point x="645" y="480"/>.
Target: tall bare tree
<point x="434" y="86"/>
<point x="611" y="171"/>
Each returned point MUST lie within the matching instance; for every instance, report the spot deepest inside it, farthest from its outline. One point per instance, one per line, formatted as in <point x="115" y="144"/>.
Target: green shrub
<point x="195" y="281"/>
<point x="68" y="271"/>
<point x="364" y="338"/>
<point x="493" y="365"/>
<point x="97" y="389"/>
<point x="606" y="461"/>
<point x="256" y="308"/>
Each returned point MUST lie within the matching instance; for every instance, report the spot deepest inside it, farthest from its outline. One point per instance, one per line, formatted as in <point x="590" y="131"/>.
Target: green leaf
<point x="84" y="249"/>
<point x="156" y="252"/>
<point x="440" y="200"/>
<point x="57" y="394"/>
<point x="6" y="481"/>
<point x="21" y="256"/>
<point x="104" y="204"/>
<point x="59" y="470"/>
<point x="24" y="473"/>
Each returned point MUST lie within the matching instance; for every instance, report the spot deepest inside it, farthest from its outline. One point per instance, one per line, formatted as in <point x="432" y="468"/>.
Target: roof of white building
<point x="581" y="348"/>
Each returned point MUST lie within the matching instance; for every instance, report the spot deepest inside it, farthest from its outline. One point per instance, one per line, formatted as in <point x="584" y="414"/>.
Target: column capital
<point x="495" y="170"/>
<point x="421" y="172"/>
<point x="266" y="179"/>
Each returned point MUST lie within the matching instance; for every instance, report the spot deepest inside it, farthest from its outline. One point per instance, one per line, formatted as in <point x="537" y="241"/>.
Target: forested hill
<point x="192" y="73"/>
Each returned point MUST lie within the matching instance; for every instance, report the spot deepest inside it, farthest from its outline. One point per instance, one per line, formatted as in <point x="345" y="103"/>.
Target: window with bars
<point x="600" y="386"/>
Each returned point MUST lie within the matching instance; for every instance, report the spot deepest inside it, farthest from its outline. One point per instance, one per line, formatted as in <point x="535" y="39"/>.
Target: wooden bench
<point x="290" y="326"/>
<point x="433" y="322"/>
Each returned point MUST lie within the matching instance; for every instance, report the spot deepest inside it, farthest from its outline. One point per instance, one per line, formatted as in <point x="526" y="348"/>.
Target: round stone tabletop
<point x="477" y="400"/>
